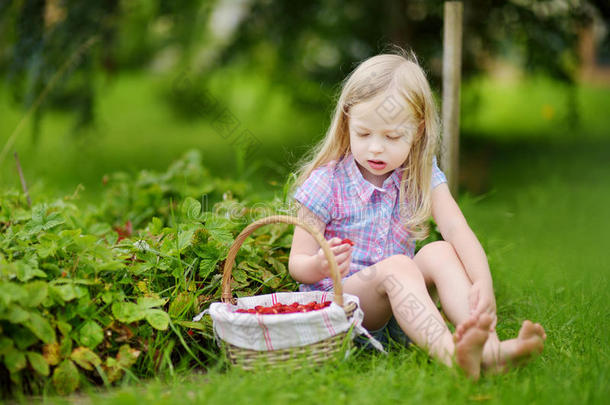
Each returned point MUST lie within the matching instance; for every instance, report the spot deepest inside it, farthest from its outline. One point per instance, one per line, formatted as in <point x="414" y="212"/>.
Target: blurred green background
<point x="90" y="89"/>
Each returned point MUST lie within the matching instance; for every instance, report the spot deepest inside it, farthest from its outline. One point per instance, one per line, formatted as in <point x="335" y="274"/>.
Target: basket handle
<point x="227" y="295"/>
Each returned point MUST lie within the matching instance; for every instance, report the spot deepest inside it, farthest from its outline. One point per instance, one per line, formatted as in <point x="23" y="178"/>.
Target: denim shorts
<point x="390" y="331"/>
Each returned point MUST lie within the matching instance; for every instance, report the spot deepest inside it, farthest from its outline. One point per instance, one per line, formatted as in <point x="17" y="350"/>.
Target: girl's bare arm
<point x="455" y="230"/>
<point x="307" y="263"/>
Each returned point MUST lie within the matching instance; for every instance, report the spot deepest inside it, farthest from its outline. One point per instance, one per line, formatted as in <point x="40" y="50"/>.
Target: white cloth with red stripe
<point x="281" y="331"/>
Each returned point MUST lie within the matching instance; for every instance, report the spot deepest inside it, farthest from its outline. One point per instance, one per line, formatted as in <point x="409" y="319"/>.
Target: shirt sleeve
<point x="316" y="192"/>
<point x="438" y="177"/>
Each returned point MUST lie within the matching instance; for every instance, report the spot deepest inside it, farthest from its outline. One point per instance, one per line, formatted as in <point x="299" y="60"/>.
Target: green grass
<point x="541" y="213"/>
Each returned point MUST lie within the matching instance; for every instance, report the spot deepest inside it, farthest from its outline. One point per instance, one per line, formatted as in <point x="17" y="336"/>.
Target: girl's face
<point x="381" y="132"/>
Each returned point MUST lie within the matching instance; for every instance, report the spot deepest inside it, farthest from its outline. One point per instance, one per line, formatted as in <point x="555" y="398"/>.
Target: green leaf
<point x="221" y="235"/>
<point x="52" y="221"/>
<point x="40" y="327"/>
<point x="127" y="356"/>
<point x="156" y="225"/>
<point x="124" y="360"/>
<point x="128" y="312"/>
<point x="37" y="292"/>
<point x="86" y="242"/>
<point x="65" y="348"/>
<point x="185" y="239"/>
<point x="191" y="209"/>
<point x="64" y="327"/>
<point x="107" y="297"/>
<point x="206" y="267"/>
<point x="41" y="221"/>
<point x="14" y="360"/>
<point x="68" y="292"/>
<point x="38" y="363"/>
<point x="240" y="276"/>
<point x="65" y="377"/>
<point x="15" y="314"/>
<point x="85" y="358"/>
<point x="26" y="271"/>
<point x="150" y="302"/>
<point x="48" y="245"/>
<point x="91" y="334"/>
<point x="99" y="229"/>
<point x="6" y="345"/>
<point x="157" y="318"/>
<point x="10" y="292"/>
<point x="24" y="338"/>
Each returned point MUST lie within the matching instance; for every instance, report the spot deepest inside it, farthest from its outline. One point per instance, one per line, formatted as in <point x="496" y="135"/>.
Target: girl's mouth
<point x="377" y="164"/>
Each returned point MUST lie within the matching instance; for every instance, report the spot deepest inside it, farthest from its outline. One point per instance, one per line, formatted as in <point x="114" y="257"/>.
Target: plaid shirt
<point x="352" y="207"/>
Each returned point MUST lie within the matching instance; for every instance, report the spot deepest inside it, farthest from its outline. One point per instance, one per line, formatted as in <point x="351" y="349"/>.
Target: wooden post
<point x="452" y="66"/>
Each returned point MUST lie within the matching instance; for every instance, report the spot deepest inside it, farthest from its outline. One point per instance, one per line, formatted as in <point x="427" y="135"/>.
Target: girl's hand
<point x="481" y="299"/>
<point x="343" y="256"/>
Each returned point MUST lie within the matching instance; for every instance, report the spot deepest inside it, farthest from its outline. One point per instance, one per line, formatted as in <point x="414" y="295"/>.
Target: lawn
<point x="540" y="209"/>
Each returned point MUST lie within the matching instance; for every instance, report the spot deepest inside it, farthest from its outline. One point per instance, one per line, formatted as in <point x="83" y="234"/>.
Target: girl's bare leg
<point x="441" y="267"/>
<point x="396" y="285"/>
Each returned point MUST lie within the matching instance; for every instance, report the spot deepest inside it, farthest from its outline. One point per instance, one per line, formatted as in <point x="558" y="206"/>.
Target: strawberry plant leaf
<point x="14" y="360"/>
<point x="6" y="344"/>
<point x="68" y="292"/>
<point x="48" y="245"/>
<point x="51" y="354"/>
<point x="191" y="209"/>
<point x="128" y="312"/>
<point x="15" y="314"/>
<point x="40" y="327"/>
<point x="157" y="318"/>
<point x="91" y="334"/>
<point x="37" y="292"/>
<point x="85" y="358"/>
<point x="25" y="271"/>
<point x="38" y="363"/>
<point x="11" y="292"/>
<point x="150" y="302"/>
<point x="65" y="377"/>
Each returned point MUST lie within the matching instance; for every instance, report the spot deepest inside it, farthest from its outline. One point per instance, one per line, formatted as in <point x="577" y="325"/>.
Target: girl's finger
<point x="342" y="256"/>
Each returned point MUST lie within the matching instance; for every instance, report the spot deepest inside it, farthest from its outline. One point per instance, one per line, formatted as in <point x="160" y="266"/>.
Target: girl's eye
<point x="363" y="134"/>
<point x="394" y="138"/>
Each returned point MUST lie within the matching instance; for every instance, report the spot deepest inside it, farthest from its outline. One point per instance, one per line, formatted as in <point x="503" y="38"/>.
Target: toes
<point x="540" y="330"/>
<point x="484" y="321"/>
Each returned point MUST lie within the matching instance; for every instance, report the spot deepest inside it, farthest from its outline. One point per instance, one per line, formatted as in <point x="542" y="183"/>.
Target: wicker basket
<point x="316" y="353"/>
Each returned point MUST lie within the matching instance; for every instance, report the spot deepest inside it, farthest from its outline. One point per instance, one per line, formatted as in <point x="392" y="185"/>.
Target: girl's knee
<point x="399" y="267"/>
<point x="435" y="253"/>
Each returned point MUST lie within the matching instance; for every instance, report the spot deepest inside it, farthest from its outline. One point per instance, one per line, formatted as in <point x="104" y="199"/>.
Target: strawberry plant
<point x="91" y="294"/>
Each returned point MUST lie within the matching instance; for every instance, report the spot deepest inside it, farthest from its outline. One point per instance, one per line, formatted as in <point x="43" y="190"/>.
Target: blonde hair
<point x="400" y="72"/>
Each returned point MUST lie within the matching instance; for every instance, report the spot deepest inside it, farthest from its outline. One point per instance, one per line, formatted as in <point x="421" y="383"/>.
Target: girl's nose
<point x="375" y="146"/>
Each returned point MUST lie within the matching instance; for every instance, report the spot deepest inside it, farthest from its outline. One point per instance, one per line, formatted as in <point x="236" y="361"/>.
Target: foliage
<point x="84" y="298"/>
<point x="291" y="42"/>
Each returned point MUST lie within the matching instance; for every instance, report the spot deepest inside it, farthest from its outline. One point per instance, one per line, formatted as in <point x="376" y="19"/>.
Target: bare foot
<point x="518" y="351"/>
<point x="530" y="342"/>
<point x="470" y="337"/>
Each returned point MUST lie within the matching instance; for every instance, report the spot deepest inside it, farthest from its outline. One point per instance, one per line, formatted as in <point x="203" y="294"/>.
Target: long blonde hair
<point x="401" y="72"/>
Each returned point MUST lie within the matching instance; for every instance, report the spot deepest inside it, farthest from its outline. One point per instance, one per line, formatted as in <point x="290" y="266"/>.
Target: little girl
<point x="374" y="180"/>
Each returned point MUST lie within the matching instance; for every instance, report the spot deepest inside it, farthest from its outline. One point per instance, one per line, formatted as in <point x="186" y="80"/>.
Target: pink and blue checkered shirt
<point x="352" y="207"/>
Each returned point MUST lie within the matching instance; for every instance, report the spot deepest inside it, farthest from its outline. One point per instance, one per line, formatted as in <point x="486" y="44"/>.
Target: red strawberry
<point x="279" y="308"/>
<point x="346" y="240"/>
